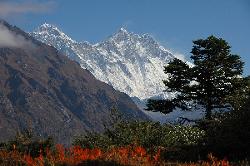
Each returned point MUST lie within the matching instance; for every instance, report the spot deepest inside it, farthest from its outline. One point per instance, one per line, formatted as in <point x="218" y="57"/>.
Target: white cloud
<point x="183" y="58"/>
<point x="180" y="56"/>
<point x="10" y="39"/>
<point x="8" y="8"/>
<point x="175" y="52"/>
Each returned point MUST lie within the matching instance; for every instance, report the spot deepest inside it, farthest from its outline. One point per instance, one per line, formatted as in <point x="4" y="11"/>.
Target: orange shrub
<point x="127" y="155"/>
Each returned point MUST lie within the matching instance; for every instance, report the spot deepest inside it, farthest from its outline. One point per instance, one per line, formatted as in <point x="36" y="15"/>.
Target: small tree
<point x="215" y="74"/>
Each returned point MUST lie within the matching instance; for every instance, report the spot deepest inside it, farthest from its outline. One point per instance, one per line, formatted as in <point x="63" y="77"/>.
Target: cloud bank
<point x="10" y="39"/>
<point x="9" y="8"/>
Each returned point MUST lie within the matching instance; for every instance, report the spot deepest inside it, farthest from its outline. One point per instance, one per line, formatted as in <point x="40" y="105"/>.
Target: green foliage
<point x="240" y="96"/>
<point x="213" y="77"/>
<point x="228" y="134"/>
<point x="182" y="135"/>
<point x="25" y="142"/>
<point x="92" y="140"/>
<point x="147" y="134"/>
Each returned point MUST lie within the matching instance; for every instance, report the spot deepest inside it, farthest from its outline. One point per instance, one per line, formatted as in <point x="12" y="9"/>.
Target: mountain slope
<point x="129" y="62"/>
<point x="42" y="90"/>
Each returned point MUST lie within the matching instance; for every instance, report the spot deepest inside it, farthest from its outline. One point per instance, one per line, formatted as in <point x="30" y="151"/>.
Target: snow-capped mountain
<point x="129" y="62"/>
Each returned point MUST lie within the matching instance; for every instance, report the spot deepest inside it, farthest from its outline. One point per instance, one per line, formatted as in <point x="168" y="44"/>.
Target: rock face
<point x="131" y="63"/>
<point x="42" y="90"/>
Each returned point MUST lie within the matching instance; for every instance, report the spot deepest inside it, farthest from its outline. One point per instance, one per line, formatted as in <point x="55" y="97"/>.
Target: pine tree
<point x="214" y="75"/>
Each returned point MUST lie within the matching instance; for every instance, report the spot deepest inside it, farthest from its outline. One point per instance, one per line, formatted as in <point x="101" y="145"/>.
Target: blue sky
<point x="174" y="23"/>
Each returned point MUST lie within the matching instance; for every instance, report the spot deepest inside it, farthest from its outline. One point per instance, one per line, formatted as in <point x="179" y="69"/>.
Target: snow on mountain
<point x="131" y="63"/>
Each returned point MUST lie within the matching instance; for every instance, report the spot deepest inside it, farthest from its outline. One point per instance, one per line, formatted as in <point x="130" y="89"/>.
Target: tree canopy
<point x="214" y="75"/>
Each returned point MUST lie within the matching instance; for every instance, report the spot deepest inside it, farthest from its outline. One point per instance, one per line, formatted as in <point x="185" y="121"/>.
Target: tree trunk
<point x="209" y="111"/>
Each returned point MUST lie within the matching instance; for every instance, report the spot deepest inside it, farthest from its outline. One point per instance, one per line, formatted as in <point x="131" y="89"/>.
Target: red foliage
<point x="128" y="155"/>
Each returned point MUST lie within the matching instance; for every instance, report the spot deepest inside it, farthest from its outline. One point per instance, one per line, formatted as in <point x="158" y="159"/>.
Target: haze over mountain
<point x="43" y="90"/>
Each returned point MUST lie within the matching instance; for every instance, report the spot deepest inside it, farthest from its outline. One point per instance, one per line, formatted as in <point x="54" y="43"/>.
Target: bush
<point x="149" y="135"/>
<point x="178" y="135"/>
<point x="25" y="143"/>
<point x="229" y="135"/>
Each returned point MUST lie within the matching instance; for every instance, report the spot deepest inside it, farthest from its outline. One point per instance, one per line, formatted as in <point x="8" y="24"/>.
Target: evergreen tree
<point x="214" y="75"/>
<point x="229" y="134"/>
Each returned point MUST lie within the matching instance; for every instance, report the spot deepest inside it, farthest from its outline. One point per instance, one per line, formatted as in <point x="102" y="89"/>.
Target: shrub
<point x="149" y="135"/>
<point x="25" y="143"/>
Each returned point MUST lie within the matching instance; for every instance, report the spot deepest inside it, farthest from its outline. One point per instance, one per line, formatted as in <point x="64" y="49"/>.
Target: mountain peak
<point x="46" y="29"/>
<point x="125" y="60"/>
<point x="46" y="25"/>
<point x="122" y="29"/>
<point x="44" y="79"/>
<point x="122" y="32"/>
